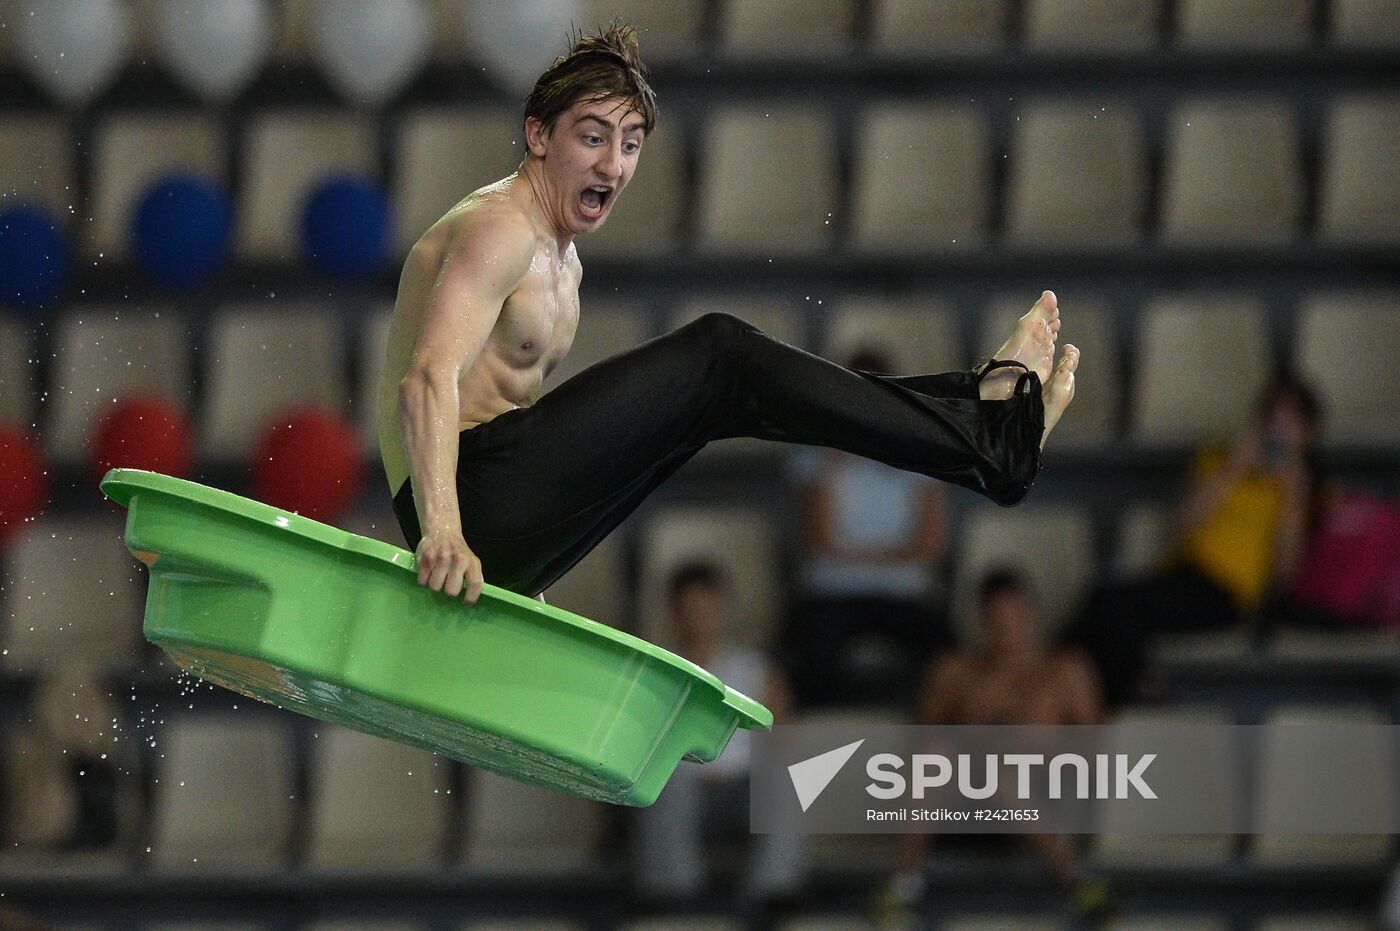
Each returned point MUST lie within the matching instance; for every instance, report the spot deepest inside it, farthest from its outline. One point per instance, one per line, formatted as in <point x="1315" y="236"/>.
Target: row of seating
<point x="1197" y="361"/>
<point x="225" y="802"/>
<point x="923" y="178"/>
<point x="798" y="30"/>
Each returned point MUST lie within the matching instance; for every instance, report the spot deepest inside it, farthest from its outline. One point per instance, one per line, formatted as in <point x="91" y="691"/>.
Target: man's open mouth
<point x="594" y="198"/>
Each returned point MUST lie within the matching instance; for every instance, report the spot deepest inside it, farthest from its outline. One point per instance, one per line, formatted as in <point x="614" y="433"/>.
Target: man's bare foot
<point x="1032" y="343"/>
<point x="1059" y="390"/>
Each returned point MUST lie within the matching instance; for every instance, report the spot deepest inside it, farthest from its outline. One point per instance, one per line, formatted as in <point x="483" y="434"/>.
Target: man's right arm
<point x="482" y="266"/>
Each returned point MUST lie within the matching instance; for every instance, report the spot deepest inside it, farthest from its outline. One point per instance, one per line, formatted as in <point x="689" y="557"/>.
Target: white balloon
<point x="214" y="47"/>
<point x="370" y="49"/>
<point x="519" y="39"/>
<point x="75" y="47"/>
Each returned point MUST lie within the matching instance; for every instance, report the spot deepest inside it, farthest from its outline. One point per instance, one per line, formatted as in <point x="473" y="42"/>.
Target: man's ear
<point x="535" y="136"/>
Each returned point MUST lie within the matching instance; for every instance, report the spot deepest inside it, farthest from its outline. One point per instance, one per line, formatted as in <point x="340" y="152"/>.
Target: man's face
<point x="589" y="155"/>
<point x="1008" y="622"/>
<point x="699" y="612"/>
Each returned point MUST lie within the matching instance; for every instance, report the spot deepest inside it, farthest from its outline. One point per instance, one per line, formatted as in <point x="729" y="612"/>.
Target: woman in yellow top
<point x="1241" y="530"/>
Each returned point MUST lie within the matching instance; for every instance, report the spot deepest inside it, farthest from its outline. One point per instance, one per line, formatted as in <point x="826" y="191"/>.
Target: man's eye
<point x="593" y="140"/>
<point x="632" y="146"/>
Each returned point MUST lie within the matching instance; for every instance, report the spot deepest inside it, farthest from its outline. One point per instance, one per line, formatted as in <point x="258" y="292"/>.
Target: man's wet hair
<point x="598" y="66"/>
<point x="1002" y="581"/>
<point x="695" y="573"/>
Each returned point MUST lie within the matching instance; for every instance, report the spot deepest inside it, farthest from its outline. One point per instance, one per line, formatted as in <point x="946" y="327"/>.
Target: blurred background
<point x="203" y="208"/>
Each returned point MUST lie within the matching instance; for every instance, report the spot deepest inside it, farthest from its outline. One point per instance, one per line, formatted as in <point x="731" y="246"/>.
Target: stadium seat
<point x="1144" y="535"/>
<point x="513" y="829"/>
<point x="1051" y="546"/>
<point x="1253" y="25"/>
<point x="17" y="372"/>
<point x="835" y="921"/>
<point x="1089" y="325"/>
<point x="291" y="355"/>
<point x="597" y="587"/>
<point x="74" y="596"/>
<point x="667" y="30"/>
<point x="37" y="165"/>
<point x="374" y="347"/>
<point x="756" y="200"/>
<point x="741" y="541"/>
<point x="1318" y="921"/>
<point x="104" y="354"/>
<point x="1173" y="921"/>
<point x="442" y="154"/>
<point x="786" y="29"/>
<point x="1194" y="741"/>
<point x="533" y="923"/>
<point x="778" y="318"/>
<point x="938" y="28"/>
<point x="1202" y="359"/>
<point x="287" y="154"/>
<point x="1097" y="26"/>
<point x="205" y="926"/>
<point x="1326" y="767"/>
<point x="1091" y="194"/>
<point x="1365" y="23"/>
<point x="922" y="179"/>
<point x="223" y="793"/>
<point x="1010" y="921"/>
<point x="1233" y="175"/>
<point x="682" y="923"/>
<point x="1360" y="187"/>
<point x="1338" y="336"/>
<point x="605" y="328"/>
<point x="647" y="218"/>
<point x="376" y="805"/>
<point x="1332" y="646"/>
<point x="291" y="32"/>
<point x="131" y="152"/>
<point x="364" y="924"/>
<point x="920" y="335"/>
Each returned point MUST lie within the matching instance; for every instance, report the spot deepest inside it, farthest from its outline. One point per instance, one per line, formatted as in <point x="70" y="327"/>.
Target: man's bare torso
<point x="532" y="335"/>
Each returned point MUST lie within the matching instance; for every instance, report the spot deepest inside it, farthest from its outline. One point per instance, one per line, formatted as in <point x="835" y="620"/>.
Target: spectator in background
<point x="1241" y="532"/>
<point x="870" y="605"/>
<point x="710" y="802"/>
<point x="1007" y="678"/>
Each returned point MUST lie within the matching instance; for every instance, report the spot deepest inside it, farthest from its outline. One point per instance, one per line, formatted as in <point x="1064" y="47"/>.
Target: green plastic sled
<point x="302" y="615"/>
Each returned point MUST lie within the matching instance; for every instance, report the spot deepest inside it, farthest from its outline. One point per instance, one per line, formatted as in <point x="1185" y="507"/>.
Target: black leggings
<point x="538" y="487"/>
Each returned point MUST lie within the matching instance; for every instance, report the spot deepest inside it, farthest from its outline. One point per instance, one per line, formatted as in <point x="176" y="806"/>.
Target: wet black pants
<point x="538" y="487"/>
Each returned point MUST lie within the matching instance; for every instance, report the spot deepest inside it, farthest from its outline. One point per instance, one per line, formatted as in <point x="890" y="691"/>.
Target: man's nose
<point x="610" y="162"/>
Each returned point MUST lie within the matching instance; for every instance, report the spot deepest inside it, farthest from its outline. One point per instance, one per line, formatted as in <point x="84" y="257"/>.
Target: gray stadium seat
<point x="682" y="923"/>
<point x="364" y="924"/>
<point x="920" y="335"/>
<point x="291" y="355"/>
<point x="132" y="151"/>
<point x="938" y="28"/>
<point x="1360" y="184"/>
<point x="286" y="155"/>
<point x="1078" y="177"/>
<point x="513" y="829"/>
<point x="786" y="29"/>
<point x="1009" y="921"/>
<point x="740" y="541"/>
<point x="1201" y="361"/>
<point x="755" y="199"/>
<point x="922" y="179"/>
<point x="647" y="218"/>
<point x="533" y="923"/>
<point x="605" y="328"/>
<point x="375" y="804"/>
<point x="442" y="154"/>
<point x="1318" y="921"/>
<point x="1365" y="23"/>
<point x="37" y="165"/>
<point x="223" y="800"/>
<point x="1097" y="26"/>
<point x="1244" y="24"/>
<point x="107" y="353"/>
<point x="1088" y="324"/>
<point x="1144" y="535"/>
<point x="16" y="372"/>
<point x="1233" y="174"/>
<point x="74" y="596"/>
<point x="374" y="345"/>
<point x="667" y="30"/>
<point x="1339" y="336"/>
<point x="1174" y="921"/>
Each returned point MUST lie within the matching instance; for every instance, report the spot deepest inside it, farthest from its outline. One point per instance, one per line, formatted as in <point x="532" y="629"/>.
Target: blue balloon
<point x="181" y="230"/>
<point x="35" y="258"/>
<point x="345" y="229"/>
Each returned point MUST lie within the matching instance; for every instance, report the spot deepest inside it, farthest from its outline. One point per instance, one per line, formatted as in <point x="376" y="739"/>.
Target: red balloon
<point x="143" y="432"/>
<point x="25" y="489"/>
<point x="308" y="461"/>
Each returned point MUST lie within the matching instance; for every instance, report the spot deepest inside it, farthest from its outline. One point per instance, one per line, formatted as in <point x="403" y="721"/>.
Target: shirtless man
<point x="490" y="485"/>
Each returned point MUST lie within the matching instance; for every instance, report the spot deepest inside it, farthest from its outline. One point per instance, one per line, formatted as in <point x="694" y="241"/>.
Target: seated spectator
<point x="709" y="802"/>
<point x="870" y="600"/>
<point x="1241" y="532"/>
<point x="1007" y="678"/>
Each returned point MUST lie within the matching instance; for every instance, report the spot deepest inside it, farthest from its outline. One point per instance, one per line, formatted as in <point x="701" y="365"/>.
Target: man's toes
<point x="1069" y="358"/>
